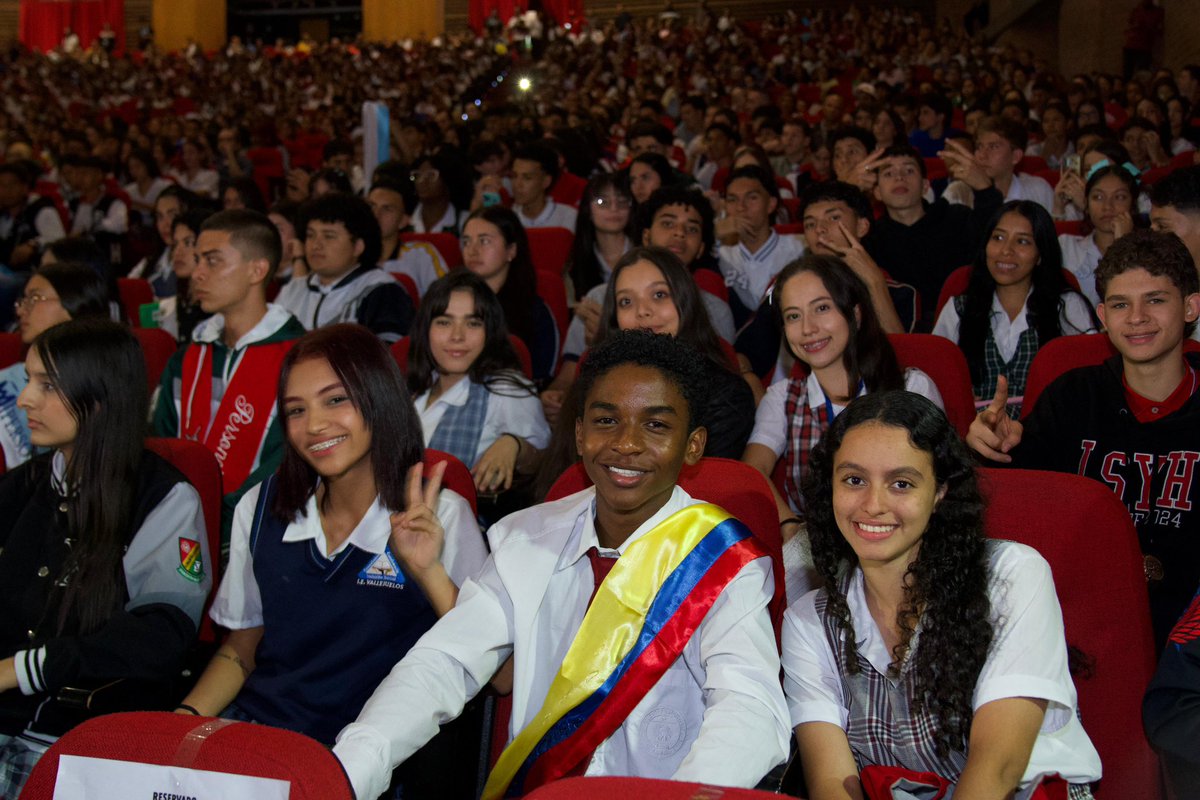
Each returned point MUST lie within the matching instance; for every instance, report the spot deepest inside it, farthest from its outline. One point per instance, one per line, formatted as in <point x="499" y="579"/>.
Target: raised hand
<point x="993" y="433"/>
<point x="417" y="534"/>
<point x="961" y="164"/>
<point x="1122" y="224"/>
<point x="866" y="172"/>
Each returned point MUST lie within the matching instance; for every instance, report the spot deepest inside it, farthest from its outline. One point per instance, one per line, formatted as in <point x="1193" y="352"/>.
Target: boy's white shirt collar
<point x="211" y="329"/>
<point x="584" y="538"/>
<point x="370" y="534"/>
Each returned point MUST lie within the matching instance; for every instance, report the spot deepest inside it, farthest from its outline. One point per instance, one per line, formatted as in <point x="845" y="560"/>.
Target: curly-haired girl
<point x="982" y="697"/>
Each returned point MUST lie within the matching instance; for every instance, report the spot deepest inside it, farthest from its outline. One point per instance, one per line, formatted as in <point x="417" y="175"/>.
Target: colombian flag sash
<point x="642" y="617"/>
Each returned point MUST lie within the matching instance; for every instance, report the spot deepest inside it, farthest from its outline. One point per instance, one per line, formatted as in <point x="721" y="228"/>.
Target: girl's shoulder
<point x="509" y="383"/>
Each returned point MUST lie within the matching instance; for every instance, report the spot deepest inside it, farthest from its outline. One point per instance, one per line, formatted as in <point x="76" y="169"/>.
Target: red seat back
<point x="457" y="478"/>
<point x="1074" y="227"/>
<point x="12" y="349"/>
<point x="134" y="293"/>
<point x="241" y="748"/>
<point x="568" y="189"/>
<point x="1034" y="164"/>
<point x="736" y="487"/>
<point x="410" y="287"/>
<point x="943" y="361"/>
<point x="1062" y="355"/>
<point x="157" y="347"/>
<point x="550" y="287"/>
<point x="711" y="282"/>
<point x="550" y="248"/>
<point x="446" y="244"/>
<point x="935" y="169"/>
<point x="199" y="466"/>
<point x="1084" y="531"/>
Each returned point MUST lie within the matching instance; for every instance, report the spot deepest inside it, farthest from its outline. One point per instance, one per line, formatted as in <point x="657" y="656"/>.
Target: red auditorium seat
<point x="568" y="189"/>
<point x="1074" y="227"/>
<point x="202" y="743"/>
<point x="550" y="248"/>
<point x="944" y="362"/>
<point x="457" y="478"/>
<point x="12" y="349"/>
<point x="711" y="282"/>
<point x="1085" y="532"/>
<point x="446" y="244"/>
<point x="410" y="287"/>
<point x="134" y="293"/>
<point x="157" y="347"/>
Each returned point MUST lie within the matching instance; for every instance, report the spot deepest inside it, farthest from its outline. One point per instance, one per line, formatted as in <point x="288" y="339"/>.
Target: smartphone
<point x="491" y="199"/>
<point x="1072" y="163"/>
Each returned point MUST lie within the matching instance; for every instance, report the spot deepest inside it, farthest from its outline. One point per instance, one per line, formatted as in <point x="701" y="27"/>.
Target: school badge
<point x="191" y="563"/>
<point x="383" y="571"/>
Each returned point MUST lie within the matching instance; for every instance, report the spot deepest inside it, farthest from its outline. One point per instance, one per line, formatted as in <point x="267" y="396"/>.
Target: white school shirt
<point x="554" y="215"/>
<point x="716" y="716"/>
<point x="451" y="221"/>
<point x="1074" y="318"/>
<point x="420" y="261"/>
<point x="771" y="423"/>
<point x="238" y="602"/>
<point x="1080" y="257"/>
<point x="749" y="274"/>
<point x="510" y="409"/>
<point x="1028" y="658"/>
<point x="1023" y="187"/>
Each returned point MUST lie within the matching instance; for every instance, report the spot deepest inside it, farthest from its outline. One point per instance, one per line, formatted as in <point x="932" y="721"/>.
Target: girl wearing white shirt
<point x="930" y="649"/>
<point x="1109" y="205"/>
<point x="470" y="395"/>
<point x="1016" y="301"/>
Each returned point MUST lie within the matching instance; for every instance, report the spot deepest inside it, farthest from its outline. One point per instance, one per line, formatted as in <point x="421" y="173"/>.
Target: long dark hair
<point x="584" y="268"/>
<point x="376" y="388"/>
<point x="945" y="588"/>
<point x="519" y="292"/>
<point x="868" y="356"/>
<point x="1120" y="173"/>
<point x="100" y="373"/>
<point x="80" y="289"/>
<point x="695" y="327"/>
<point x="1045" y="300"/>
<point x="497" y="363"/>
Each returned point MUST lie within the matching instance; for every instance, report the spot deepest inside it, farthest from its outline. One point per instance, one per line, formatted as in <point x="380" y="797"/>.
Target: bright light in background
<point x="524" y="84"/>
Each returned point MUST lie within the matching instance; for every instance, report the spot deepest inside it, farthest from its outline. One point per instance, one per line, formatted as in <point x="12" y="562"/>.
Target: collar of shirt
<point x="210" y="331"/>
<point x="371" y="534"/>
<point x="457" y="395"/>
<point x="764" y="252"/>
<point x="448" y="220"/>
<point x="816" y="395"/>
<point x="868" y="639"/>
<point x="541" y="219"/>
<point x="1004" y="328"/>
<point x="58" y="473"/>
<point x="314" y="281"/>
<point x="584" y="537"/>
<point x="1145" y="410"/>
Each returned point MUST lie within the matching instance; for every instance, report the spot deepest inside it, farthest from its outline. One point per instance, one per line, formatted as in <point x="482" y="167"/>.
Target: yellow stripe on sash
<point x="610" y="628"/>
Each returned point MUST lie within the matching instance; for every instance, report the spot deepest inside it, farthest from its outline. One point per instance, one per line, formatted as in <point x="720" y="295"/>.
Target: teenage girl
<point x="103" y="552"/>
<point x="982" y="698"/>
<point x="602" y="232"/>
<point x="342" y="559"/>
<point x="1016" y="301"/>
<point x="1109" y="206"/>
<point x="470" y="396"/>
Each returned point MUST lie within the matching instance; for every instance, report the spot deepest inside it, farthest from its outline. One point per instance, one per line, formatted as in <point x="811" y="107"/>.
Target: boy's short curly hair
<point x="1158" y="254"/>
<point x="680" y="364"/>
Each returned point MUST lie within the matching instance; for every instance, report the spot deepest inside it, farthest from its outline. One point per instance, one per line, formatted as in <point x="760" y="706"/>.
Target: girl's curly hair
<point x="946" y="586"/>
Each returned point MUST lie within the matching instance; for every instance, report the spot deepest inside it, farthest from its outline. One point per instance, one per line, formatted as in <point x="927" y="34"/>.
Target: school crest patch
<point x="191" y="563"/>
<point x="383" y="570"/>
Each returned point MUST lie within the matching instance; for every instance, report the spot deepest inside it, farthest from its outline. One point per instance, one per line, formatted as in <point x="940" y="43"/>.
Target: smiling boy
<point x="1133" y="422"/>
<point x="712" y="711"/>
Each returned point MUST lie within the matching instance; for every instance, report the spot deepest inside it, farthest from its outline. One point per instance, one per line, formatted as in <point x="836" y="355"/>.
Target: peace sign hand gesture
<point x="417" y="534"/>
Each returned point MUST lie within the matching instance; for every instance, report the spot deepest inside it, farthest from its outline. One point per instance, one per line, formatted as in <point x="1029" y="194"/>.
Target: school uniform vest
<point x="320" y="615"/>
<point x="1016" y="369"/>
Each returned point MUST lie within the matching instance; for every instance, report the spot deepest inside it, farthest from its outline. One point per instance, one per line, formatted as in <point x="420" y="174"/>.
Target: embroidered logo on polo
<point x="383" y="571"/>
<point x="191" y="564"/>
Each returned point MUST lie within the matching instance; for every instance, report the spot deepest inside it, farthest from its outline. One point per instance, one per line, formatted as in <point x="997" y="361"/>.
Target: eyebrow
<point x="216" y="251"/>
<point x="899" y="472"/>
<point x="330" y="388"/>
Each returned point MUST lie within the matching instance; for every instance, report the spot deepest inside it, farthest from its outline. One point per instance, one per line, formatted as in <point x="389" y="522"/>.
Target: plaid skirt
<point x="17" y="757"/>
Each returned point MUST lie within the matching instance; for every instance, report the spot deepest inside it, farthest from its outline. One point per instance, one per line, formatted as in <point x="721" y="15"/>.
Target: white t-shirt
<point x="1028" y="658"/>
<point x="1023" y="187"/>
<point x="420" y="261"/>
<point x="510" y="410"/>
<point x="749" y="274"/>
<point x="554" y="215"/>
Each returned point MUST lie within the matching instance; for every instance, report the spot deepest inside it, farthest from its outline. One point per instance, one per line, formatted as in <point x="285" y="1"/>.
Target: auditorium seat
<point x="457" y="478"/>
<point x="550" y="249"/>
<point x="1084" y="531"/>
<point x="199" y="743"/>
<point x="943" y="361"/>
<point x="157" y="348"/>
<point x="446" y="244"/>
<point x="12" y="349"/>
<point x="134" y="293"/>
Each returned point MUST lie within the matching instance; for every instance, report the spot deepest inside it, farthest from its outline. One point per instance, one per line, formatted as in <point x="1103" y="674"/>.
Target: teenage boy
<point x="95" y="212"/>
<point x="933" y="122"/>
<point x="701" y="703"/>
<point x="921" y="243"/>
<point x="720" y="141"/>
<point x="220" y="389"/>
<point x="1133" y="422"/>
<point x="341" y="244"/>
<point x="999" y="146"/>
<point x="418" y="260"/>
<point x="1175" y="208"/>
<point x="28" y="222"/>
<point x="855" y="159"/>
<point x="750" y="264"/>
<point x="535" y="169"/>
<point x="793" y="163"/>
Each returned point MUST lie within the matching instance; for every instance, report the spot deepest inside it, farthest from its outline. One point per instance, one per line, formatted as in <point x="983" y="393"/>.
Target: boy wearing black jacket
<point x="1132" y="422"/>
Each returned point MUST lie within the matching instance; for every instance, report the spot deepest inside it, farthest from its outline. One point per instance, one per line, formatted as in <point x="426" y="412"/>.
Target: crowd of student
<point x="749" y="222"/>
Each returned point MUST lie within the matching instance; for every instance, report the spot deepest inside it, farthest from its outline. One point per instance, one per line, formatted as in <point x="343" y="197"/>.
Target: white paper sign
<point x="81" y="778"/>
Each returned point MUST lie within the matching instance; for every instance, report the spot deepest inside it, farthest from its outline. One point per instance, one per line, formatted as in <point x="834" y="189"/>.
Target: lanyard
<point x="829" y="415"/>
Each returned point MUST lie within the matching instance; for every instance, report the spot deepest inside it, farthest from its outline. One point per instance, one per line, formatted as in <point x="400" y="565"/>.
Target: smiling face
<point x="678" y="228"/>
<point x="884" y="492"/>
<point x="456" y="336"/>
<point x="1108" y="198"/>
<point x="643" y="300"/>
<point x="51" y="423"/>
<point x="1145" y="316"/>
<point x="814" y="327"/>
<point x="847" y="153"/>
<point x="633" y="438"/>
<point x="1012" y="252"/>
<point x="821" y="220"/>
<point x="323" y="425"/>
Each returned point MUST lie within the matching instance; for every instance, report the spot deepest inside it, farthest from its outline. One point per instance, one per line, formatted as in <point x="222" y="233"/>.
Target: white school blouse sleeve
<point x="918" y="382"/>
<point x="811" y="679"/>
<point x="1076" y="317"/>
<point x="464" y="551"/>
<point x="947" y="322"/>
<point x="770" y="420"/>
<point x="513" y="409"/>
<point x="445" y="668"/>
<point x="745" y="729"/>
<point x="238" y="603"/>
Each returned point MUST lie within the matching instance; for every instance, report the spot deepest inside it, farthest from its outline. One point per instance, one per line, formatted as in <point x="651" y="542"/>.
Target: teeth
<point x="325" y="445"/>
<point x="625" y="473"/>
<point x="876" y="528"/>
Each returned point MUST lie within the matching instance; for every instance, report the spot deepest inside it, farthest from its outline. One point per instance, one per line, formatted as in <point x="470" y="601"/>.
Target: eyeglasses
<point x="425" y="175"/>
<point x="25" y="303"/>
<point x="620" y="203"/>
